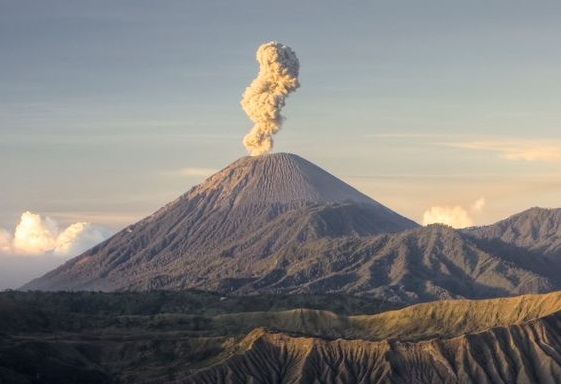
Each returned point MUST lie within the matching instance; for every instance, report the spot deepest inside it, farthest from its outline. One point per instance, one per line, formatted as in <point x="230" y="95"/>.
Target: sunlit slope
<point x="447" y="318"/>
<point x="526" y="353"/>
<point x="488" y="341"/>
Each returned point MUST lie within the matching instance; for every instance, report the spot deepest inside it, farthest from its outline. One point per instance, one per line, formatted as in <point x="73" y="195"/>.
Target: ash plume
<point x="265" y="97"/>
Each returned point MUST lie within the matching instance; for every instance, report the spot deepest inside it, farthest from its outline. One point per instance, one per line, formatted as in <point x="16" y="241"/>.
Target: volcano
<point x="235" y="232"/>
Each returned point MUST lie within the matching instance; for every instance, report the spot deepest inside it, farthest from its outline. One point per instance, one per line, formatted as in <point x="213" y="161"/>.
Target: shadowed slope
<point x="423" y="264"/>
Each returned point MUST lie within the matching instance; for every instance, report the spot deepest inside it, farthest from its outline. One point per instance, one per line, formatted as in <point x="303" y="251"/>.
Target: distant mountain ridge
<point x="536" y="229"/>
<point x="417" y="265"/>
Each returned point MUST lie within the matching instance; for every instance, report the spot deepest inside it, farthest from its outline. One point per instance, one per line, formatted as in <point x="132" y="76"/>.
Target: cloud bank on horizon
<point x="36" y="236"/>
<point x="264" y="99"/>
<point x="456" y="216"/>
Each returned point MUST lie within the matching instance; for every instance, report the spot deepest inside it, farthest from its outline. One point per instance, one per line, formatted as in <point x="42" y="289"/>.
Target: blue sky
<point x="110" y="109"/>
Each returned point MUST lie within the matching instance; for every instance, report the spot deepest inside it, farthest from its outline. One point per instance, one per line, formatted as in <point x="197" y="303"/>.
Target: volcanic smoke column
<point x="265" y="97"/>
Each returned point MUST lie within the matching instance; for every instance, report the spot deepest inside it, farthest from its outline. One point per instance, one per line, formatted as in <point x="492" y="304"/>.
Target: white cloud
<point x="37" y="236"/>
<point x="34" y="235"/>
<point x="520" y="150"/>
<point x="78" y="238"/>
<point x="456" y="216"/>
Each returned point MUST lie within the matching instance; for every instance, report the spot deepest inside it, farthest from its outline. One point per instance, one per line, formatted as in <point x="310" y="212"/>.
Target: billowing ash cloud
<point x="265" y="97"/>
<point x="37" y="236"/>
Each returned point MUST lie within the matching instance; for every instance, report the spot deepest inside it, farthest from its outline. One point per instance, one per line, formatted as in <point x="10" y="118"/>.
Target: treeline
<point x="191" y="302"/>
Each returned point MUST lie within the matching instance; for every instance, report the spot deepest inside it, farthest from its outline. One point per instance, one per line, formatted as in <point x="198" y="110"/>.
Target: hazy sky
<point x="110" y="109"/>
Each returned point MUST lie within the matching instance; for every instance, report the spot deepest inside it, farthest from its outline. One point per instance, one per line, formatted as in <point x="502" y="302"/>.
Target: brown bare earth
<point x="198" y="337"/>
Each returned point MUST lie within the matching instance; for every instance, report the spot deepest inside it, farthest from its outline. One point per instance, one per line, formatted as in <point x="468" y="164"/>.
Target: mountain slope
<point x="526" y="353"/>
<point x="536" y="229"/>
<point x="278" y="224"/>
<point x="252" y="209"/>
<point x="489" y="341"/>
<point x="423" y="264"/>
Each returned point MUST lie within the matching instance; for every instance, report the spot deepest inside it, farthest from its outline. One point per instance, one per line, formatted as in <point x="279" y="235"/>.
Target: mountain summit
<point x="279" y="178"/>
<point x="234" y="232"/>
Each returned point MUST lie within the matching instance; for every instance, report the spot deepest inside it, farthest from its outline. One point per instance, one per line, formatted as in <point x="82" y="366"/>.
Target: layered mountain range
<point x="279" y="224"/>
<point x="312" y="281"/>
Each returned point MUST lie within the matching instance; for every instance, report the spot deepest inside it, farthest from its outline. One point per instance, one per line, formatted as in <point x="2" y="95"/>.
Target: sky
<point x="441" y="110"/>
